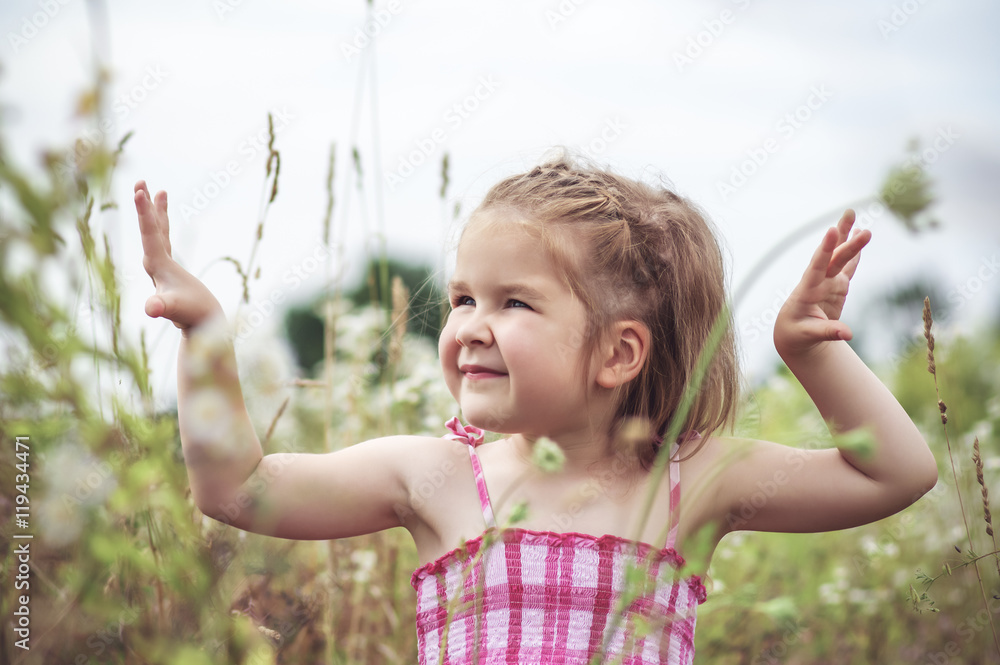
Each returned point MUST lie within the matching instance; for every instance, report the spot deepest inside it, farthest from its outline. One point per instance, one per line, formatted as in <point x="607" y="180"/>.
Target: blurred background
<point x="391" y="120"/>
<point x="699" y="93"/>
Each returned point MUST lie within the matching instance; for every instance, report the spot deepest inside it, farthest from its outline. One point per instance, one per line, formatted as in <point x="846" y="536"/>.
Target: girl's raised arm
<point x="358" y="490"/>
<point x="775" y="488"/>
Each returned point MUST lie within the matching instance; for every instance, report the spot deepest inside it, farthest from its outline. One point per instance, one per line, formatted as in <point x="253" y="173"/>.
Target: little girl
<point x="580" y="304"/>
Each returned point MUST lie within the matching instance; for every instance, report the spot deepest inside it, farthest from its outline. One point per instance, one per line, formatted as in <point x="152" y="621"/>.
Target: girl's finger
<point x="849" y="252"/>
<point x="164" y="221"/>
<point x="155" y="307"/>
<point x="844" y="226"/>
<point x="152" y="245"/>
<point x="817" y="270"/>
<point x="826" y="330"/>
<point x="851" y="267"/>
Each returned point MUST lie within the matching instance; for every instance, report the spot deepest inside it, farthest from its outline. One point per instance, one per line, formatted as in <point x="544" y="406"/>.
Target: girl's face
<point x="512" y="347"/>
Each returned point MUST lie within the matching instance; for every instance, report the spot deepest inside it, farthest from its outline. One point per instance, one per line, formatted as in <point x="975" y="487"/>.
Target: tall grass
<point x="126" y="570"/>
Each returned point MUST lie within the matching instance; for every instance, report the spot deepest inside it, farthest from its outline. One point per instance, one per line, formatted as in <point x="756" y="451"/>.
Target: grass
<point x="126" y="570"/>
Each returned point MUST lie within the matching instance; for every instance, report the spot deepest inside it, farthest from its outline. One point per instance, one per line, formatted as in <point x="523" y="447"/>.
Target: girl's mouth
<point x="478" y="372"/>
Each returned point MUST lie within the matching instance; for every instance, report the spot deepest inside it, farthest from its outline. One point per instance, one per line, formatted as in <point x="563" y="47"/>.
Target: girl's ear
<point x="623" y="353"/>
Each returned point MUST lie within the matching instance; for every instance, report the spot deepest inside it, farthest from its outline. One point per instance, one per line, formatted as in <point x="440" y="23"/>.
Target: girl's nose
<point x="473" y="330"/>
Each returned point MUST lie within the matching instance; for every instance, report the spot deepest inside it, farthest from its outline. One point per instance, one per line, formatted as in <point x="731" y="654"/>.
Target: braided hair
<point x="634" y="251"/>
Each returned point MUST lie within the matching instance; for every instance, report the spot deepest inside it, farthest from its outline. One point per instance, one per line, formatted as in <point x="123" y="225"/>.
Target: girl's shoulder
<point x="703" y="466"/>
<point x="421" y="451"/>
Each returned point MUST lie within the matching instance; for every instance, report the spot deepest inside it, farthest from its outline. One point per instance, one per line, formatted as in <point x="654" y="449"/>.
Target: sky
<point x="765" y="114"/>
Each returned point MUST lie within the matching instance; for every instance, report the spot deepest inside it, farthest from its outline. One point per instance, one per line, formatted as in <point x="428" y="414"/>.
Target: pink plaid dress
<point x="522" y="596"/>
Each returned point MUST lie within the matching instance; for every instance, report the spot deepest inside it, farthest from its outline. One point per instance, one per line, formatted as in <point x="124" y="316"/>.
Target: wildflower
<point x="265" y="368"/>
<point x="906" y="192"/>
<point x="859" y="441"/>
<point x="207" y="347"/>
<point x="61" y="520"/>
<point x="209" y="416"/>
<point x="364" y="563"/>
<point x="547" y="456"/>
<point x="78" y="481"/>
<point x="519" y="513"/>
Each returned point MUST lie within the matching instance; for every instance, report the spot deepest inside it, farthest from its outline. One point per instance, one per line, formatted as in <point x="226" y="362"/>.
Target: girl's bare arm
<point x="771" y="487"/>
<point x="357" y="490"/>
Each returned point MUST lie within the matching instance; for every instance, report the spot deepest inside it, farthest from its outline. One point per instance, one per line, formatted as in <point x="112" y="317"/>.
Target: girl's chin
<point x="484" y="420"/>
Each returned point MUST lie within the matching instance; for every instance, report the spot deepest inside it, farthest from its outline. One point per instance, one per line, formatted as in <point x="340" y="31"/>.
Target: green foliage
<point x="126" y="570"/>
<point x="304" y="325"/>
<point x="850" y="596"/>
<point x="426" y="300"/>
<point x="304" y="331"/>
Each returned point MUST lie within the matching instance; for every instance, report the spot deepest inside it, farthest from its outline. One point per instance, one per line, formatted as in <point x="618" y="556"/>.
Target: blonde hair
<point x="645" y="254"/>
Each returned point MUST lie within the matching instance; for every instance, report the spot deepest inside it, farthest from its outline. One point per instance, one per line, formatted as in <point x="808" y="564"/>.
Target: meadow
<point x="124" y="568"/>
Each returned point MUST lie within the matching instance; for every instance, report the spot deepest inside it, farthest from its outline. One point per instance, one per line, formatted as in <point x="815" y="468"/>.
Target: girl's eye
<point x="518" y="303"/>
<point x="459" y="301"/>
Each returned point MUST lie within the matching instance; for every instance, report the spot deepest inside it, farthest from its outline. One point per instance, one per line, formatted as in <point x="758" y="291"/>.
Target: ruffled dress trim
<point x="578" y="541"/>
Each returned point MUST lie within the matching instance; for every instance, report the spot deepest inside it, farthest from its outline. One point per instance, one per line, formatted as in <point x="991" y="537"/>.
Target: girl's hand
<point x="810" y="316"/>
<point x="179" y="296"/>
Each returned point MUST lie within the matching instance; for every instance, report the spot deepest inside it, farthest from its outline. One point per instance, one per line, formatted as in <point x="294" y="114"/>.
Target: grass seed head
<point x="928" y="321"/>
<point x="977" y="459"/>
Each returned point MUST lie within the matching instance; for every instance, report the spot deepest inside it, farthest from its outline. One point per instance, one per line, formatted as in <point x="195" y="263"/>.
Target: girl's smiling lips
<point x="479" y="372"/>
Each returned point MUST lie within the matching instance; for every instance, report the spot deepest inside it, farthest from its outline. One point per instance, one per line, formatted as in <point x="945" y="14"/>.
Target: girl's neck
<point x="584" y="451"/>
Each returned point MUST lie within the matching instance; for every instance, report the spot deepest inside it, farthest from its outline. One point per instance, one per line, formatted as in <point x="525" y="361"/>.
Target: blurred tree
<point x="304" y="331"/>
<point x="426" y="297"/>
<point x="890" y="320"/>
<point x="304" y="324"/>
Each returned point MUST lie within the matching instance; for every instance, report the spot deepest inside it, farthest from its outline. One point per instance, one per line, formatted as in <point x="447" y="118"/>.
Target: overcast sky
<point x="815" y="103"/>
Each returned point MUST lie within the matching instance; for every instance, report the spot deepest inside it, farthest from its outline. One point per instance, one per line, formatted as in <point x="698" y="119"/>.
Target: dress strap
<point x="675" y="486"/>
<point x="473" y="436"/>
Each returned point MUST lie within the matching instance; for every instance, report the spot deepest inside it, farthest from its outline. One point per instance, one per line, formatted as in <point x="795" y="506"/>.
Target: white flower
<point x="829" y="595"/>
<point x="265" y="366"/>
<point x="206" y="346"/>
<point x="869" y="546"/>
<point x="77" y="482"/>
<point x="208" y="416"/>
<point x="364" y="562"/>
<point x="60" y="519"/>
